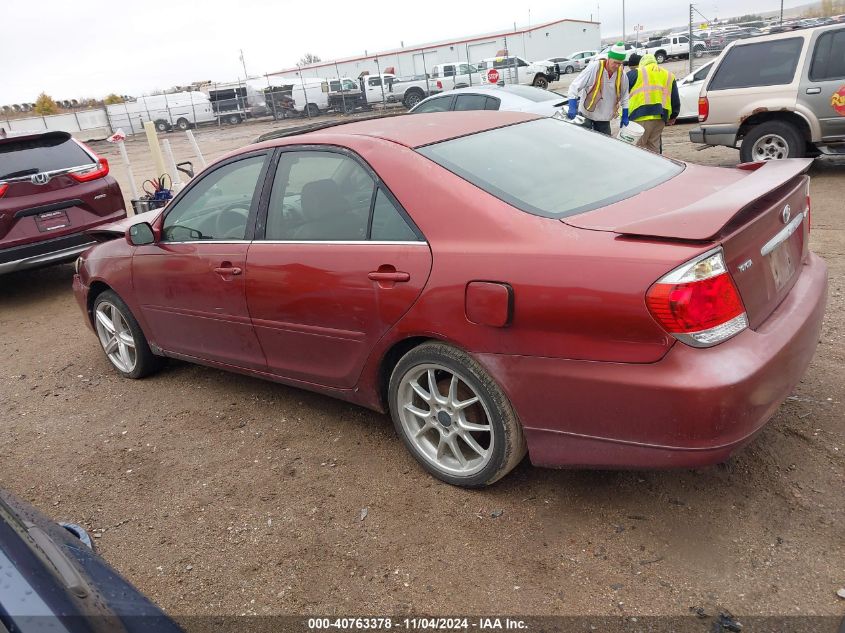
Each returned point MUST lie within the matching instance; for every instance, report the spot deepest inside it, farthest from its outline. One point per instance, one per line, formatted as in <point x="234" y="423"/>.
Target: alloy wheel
<point x="116" y="337"/>
<point x="445" y="420"/>
<point x="770" y="147"/>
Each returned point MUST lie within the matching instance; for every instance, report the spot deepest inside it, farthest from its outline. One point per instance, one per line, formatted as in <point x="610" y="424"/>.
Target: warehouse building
<point x="553" y="39"/>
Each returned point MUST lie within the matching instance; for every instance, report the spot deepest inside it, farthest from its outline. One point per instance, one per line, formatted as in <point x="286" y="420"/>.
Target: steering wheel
<point x="230" y="223"/>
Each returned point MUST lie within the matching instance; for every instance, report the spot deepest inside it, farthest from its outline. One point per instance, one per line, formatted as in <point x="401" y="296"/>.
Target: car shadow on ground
<point x="23" y="287"/>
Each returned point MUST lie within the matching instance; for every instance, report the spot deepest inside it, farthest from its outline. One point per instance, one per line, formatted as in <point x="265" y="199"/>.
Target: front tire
<point x="183" y="124"/>
<point x="121" y="337"/>
<point x="660" y="56"/>
<point x="162" y="126"/>
<point x="772" y="140"/>
<point x="453" y="417"/>
<point x="569" y="70"/>
<point x="541" y="82"/>
<point x="234" y="119"/>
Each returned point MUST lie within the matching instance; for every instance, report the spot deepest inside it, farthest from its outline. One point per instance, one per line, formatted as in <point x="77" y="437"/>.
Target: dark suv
<point x="52" y="189"/>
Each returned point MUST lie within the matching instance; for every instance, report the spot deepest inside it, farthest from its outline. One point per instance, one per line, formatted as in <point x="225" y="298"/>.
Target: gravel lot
<point x="220" y="494"/>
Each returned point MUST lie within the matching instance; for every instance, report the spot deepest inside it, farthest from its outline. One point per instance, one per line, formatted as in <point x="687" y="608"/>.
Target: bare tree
<point x="309" y="58"/>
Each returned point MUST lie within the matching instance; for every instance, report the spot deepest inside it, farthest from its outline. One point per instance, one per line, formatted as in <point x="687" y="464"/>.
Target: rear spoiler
<point x="704" y="219"/>
<point x="14" y="137"/>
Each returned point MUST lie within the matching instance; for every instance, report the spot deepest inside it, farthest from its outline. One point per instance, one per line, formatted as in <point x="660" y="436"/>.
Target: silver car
<point x="513" y="98"/>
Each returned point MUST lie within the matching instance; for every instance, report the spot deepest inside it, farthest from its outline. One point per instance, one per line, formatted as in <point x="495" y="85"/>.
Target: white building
<point x="553" y="39"/>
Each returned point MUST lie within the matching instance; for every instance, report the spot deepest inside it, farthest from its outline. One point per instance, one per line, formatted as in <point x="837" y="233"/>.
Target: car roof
<point x="411" y="131"/>
<point x="785" y="35"/>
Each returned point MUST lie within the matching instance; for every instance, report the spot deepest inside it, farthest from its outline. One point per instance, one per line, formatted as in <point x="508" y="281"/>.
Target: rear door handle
<point x="389" y="276"/>
<point x="228" y="270"/>
<point x="813" y="91"/>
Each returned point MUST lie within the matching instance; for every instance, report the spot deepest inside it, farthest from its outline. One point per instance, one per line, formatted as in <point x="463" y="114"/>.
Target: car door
<point x="822" y="88"/>
<point x="434" y="104"/>
<point x="470" y="101"/>
<point x="190" y="284"/>
<point x="338" y="262"/>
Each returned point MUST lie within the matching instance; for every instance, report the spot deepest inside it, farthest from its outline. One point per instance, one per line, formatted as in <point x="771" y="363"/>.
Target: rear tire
<point x="569" y="70"/>
<point x="540" y="82"/>
<point x="312" y="110"/>
<point x="412" y="99"/>
<point x="772" y="140"/>
<point x="121" y="337"/>
<point x="233" y="119"/>
<point x="471" y="445"/>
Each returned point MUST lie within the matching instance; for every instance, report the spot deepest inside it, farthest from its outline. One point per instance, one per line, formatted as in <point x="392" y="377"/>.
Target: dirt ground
<point x="220" y="494"/>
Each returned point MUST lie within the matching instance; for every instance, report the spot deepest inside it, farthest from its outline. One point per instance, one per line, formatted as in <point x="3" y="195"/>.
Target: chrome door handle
<point x="228" y="270"/>
<point x="389" y="276"/>
<point x="813" y="91"/>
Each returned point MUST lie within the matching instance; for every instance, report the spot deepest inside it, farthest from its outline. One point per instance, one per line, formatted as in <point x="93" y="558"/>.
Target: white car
<point x="688" y="90"/>
<point x="513" y="98"/>
<point x="581" y="58"/>
<point x="630" y="49"/>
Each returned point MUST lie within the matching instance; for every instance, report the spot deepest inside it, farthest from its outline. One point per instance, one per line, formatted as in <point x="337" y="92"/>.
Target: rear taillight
<point x="3" y="188"/>
<point x="440" y="85"/>
<point x="98" y="170"/>
<point x="698" y="303"/>
<point x="703" y="108"/>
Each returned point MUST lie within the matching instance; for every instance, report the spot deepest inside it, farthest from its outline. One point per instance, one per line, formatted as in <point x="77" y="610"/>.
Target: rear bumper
<point x="715" y="135"/>
<point x="44" y="253"/>
<point x="692" y="408"/>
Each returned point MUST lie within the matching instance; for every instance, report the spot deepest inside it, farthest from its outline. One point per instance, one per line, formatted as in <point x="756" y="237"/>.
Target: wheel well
<point x="783" y="115"/>
<point x="97" y="288"/>
<point x="391" y="359"/>
<point x="659" y="52"/>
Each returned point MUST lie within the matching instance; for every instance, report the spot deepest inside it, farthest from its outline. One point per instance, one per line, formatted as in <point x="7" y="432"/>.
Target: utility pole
<point x="691" y="9"/>
<point x="246" y="76"/>
<point x="623" y="20"/>
<point x="781" y="11"/>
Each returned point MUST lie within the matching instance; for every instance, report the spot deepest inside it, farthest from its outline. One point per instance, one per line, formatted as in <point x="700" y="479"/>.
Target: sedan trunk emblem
<point x="40" y="179"/>
<point x="786" y="214"/>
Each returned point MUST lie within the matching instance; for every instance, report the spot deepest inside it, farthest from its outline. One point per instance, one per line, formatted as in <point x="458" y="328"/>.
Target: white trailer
<point x="181" y="110"/>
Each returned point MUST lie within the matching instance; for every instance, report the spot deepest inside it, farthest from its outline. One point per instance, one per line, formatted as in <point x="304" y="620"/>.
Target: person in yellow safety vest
<point x="654" y="101"/>
<point x="602" y="88"/>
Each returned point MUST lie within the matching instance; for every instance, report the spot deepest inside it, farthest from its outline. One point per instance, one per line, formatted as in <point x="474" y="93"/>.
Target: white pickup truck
<point x="514" y="70"/>
<point x="674" y="45"/>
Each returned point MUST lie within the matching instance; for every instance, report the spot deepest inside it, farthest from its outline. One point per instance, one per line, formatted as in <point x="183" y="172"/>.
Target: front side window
<point x="319" y="196"/>
<point x="569" y="172"/>
<point x="217" y="207"/>
<point x="770" y="63"/>
<point x="439" y="104"/>
<point x="829" y="57"/>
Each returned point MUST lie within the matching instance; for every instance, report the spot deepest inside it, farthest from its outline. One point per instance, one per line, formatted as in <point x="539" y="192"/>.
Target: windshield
<point x="552" y="168"/>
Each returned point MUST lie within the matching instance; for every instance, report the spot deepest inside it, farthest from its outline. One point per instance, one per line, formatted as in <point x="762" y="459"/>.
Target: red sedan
<point x="497" y="282"/>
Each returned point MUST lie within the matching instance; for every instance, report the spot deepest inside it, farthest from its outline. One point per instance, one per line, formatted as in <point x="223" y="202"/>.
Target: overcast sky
<point x="88" y="49"/>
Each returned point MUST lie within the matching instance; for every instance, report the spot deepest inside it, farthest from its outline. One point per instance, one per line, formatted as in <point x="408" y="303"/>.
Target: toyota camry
<point x="499" y="283"/>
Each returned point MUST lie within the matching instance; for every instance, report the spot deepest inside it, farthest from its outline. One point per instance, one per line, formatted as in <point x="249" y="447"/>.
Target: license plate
<point x="51" y="221"/>
<point x="783" y="261"/>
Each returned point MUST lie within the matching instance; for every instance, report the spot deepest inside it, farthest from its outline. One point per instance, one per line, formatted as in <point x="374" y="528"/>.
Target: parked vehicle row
<point x="777" y="96"/>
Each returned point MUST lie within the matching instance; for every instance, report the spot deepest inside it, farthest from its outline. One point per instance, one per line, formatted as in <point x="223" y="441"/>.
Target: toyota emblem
<point x="786" y="214"/>
<point x="40" y="179"/>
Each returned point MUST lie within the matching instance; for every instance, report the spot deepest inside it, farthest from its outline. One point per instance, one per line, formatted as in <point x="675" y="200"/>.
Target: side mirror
<point x="140" y="234"/>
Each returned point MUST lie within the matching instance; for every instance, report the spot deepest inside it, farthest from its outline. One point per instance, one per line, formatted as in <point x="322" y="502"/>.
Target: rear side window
<point x="570" y="170"/>
<point x="762" y="64"/>
<point x="492" y="103"/>
<point x="45" y="153"/>
<point x="388" y="223"/>
<point x="829" y="57"/>
<point x="470" y="102"/>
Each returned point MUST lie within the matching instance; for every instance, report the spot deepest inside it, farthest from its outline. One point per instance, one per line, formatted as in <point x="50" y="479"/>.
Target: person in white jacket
<point x="602" y="89"/>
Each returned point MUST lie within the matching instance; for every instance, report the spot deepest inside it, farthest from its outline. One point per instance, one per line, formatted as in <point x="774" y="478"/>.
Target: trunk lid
<point x="759" y="213"/>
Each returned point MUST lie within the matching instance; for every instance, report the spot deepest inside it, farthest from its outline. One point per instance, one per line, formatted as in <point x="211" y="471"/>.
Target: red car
<point x="498" y="282"/>
<point x="52" y="189"/>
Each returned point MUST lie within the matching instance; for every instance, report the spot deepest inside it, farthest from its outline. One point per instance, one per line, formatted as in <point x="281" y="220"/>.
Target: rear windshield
<point x="533" y="94"/>
<point x="770" y="63"/>
<point x="45" y="153"/>
<point x="552" y="168"/>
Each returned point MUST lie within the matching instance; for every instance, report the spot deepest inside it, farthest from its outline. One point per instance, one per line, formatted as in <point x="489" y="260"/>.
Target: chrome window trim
<point x="344" y="242"/>
<point x="784" y="234"/>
